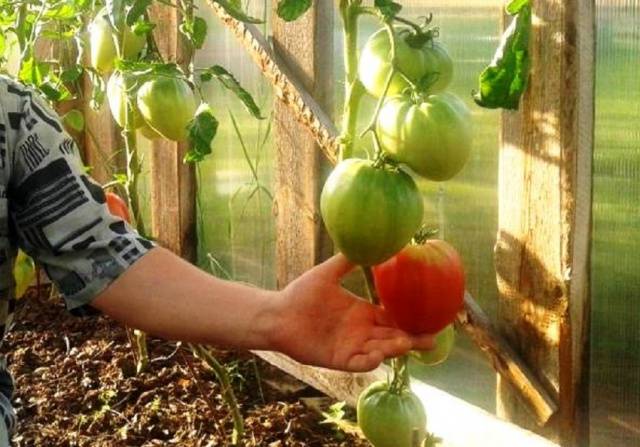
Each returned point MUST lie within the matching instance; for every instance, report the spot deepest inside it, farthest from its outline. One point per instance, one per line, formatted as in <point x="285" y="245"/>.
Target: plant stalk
<point x="354" y="90"/>
<point x="226" y="390"/>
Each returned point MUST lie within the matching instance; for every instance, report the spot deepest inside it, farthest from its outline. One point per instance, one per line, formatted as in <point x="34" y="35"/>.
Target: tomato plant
<point x="390" y="417"/>
<point x="422" y="287"/>
<point x="417" y="60"/>
<point x="103" y="39"/>
<point x="444" y="340"/>
<point x="167" y="104"/>
<point x="431" y="135"/>
<point x="370" y="211"/>
<point x="117" y="206"/>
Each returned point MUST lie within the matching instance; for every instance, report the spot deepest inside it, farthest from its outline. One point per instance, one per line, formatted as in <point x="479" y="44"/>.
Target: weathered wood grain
<point x="173" y="183"/>
<point x="542" y="251"/>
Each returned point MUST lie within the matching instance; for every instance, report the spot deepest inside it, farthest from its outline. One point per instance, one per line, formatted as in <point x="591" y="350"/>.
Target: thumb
<point x="336" y="266"/>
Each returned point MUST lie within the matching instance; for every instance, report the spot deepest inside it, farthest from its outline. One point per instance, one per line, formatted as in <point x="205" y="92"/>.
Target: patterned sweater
<point x="54" y="212"/>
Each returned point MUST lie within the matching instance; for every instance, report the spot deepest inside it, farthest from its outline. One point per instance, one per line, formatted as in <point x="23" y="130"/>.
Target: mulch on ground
<point x="76" y="386"/>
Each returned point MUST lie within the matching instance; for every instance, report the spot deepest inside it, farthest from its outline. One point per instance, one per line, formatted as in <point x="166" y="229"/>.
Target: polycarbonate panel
<point x="235" y="221"/>
<point x="615" y="356"/>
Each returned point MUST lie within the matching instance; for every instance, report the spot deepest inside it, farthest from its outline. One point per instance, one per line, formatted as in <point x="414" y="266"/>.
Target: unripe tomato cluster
<point x="373" y="210"/>
<point x="162" y="105"/>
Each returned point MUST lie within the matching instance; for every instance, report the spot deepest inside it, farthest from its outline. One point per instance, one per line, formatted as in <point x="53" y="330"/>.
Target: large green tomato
<point x="415" y="63"/>
<point x="444" y="340"/>
<point x="103" y="46"/>
<point x="370" y="212"/>
<point x="117" y="96"/>
<point x="431" y="136"/>
<point x="167" y="104"/>
<point x="389" y="419"/>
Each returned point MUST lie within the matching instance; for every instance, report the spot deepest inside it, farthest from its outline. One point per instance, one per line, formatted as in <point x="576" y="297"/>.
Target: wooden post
<point x="542" y="251"/>
<point x="305" y="46"/>
<point x="103" y="144"/>
<point x="173" y="183"/>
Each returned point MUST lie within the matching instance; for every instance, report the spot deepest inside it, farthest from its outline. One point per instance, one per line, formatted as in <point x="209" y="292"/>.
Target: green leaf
<point x="33" y="72"/>
<point x="515" y="6"/>
<point x="136" y="10"/>
<point x="388" y="8"/>
<point x="202" y="130"/>
<point x="115" y="13"/>
<point x="196" y="31"/>
<point x="504" y="81"/>
<point x="71" y="74"/>
<point x="74" y="119"/>
<point x="232" y="84"/>
<point x="290" y="10"/>
<point x="3" y="44"/>
<point x="233" y="8"/>
<point x="142" y="27"/>
<point x="98" y="89"/>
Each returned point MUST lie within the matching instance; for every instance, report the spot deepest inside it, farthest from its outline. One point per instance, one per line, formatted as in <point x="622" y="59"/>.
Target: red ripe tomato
<point x="118" y="207"/>
<point x="422" y="287"/>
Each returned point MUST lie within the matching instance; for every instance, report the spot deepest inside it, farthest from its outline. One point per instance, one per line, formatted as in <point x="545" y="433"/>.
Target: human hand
<point x="320" y="323"/>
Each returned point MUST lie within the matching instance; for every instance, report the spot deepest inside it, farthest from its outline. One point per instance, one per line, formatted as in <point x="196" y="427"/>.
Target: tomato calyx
<point x="424" y="234"/>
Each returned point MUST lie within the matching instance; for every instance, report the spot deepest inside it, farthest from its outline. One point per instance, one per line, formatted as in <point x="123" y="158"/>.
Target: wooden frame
<point x="542" y="251"/>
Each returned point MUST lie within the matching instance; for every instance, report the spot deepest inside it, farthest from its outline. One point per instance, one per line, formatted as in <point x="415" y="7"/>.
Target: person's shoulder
<point x="12" y="93"/>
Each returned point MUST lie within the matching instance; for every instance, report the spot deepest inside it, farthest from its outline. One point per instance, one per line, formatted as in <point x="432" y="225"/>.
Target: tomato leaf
<point x="504" y="81"/>
<point x="74" y="119"/>
<point x="202" y="130"/>
<point x="195" y="30"/>
<point x="231" y="83"/>
<point x="142" y="27"/>
<point x="515" y="6"/>
<point x="232" y="8"/>
<point x="388" y="8"/>
<point x="136" y="10"/>
<point x="71" y="74"/>
<point x="290" y="10"/>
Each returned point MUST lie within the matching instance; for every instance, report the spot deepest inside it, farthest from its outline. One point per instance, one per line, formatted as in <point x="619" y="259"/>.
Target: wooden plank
<point x="542" y="252"/>
<point x="306" y="46"/>
<point x="103" y="143"/>
<point x="481" y="429"/>
<point x="309" y="113"/>
<point x="173" y="183"/>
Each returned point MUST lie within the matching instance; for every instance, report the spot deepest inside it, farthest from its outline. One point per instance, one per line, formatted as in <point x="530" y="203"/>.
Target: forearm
<point x="165" y="296"/>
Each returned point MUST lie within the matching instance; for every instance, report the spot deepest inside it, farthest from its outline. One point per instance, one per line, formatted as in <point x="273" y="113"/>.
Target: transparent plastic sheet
<point x="236" y="231"/>
<point x="615" y="286"/>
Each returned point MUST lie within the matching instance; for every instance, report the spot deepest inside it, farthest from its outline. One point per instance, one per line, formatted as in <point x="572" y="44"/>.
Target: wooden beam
<point x="173" y="183"/>
<point x="318" y="124"/>
<point x="289" y="90"/>
<point x="301" y="240"/>
<point x="542" y="252"/>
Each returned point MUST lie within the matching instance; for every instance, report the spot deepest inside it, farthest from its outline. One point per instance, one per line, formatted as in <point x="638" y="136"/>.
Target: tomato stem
<point x="401" y="379"/>
<point x="354" y="90"/>
<point x="371" y="286"/>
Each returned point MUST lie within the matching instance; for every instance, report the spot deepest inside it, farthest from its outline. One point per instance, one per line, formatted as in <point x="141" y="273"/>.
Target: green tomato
<point x="24" y="273"/>
<point x="389" y="419"/>
<point x="167" y="104"/>
<point x="103" y="46"/>
<point x="117" y="96"/>
<point x="414" y="63"/>
<point x="370" y="212"/>
<point x="444" y="340"/>
<point x="431" y="136"/>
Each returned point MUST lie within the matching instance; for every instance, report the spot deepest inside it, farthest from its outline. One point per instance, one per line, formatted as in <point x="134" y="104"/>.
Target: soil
<point x="76" y="386"/>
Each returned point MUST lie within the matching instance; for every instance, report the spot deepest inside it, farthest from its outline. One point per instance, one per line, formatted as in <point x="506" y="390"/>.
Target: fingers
<point x="336" y="266"/>
<point x="391" y="347"/>
<point x="423" y="342"/>
<point x="365" y="362"/>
